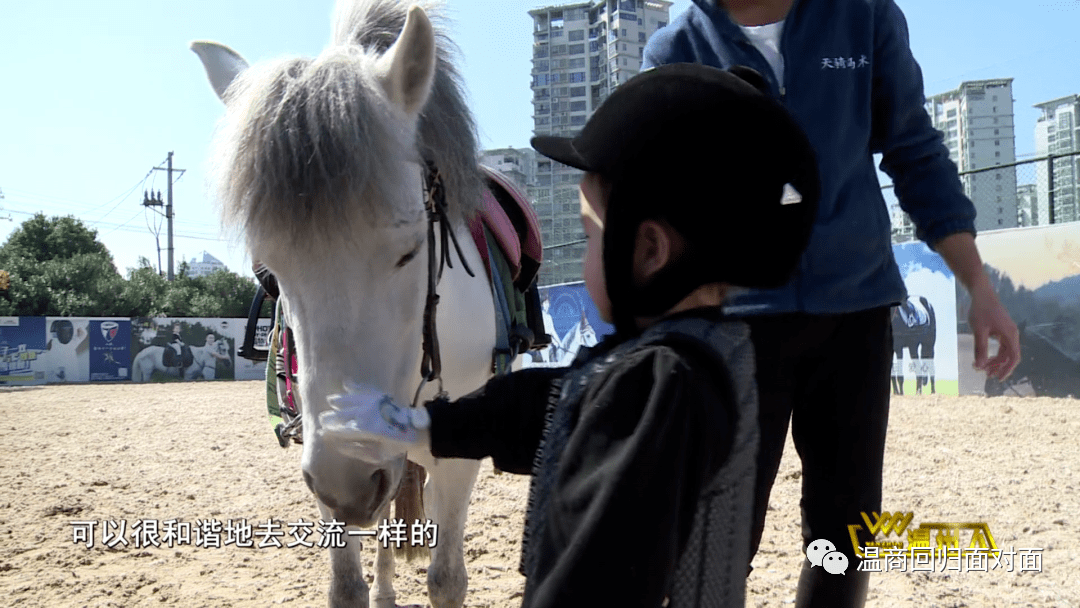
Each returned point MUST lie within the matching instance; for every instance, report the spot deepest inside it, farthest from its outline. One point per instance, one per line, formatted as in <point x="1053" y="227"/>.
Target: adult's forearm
<point x="961" y="254"/>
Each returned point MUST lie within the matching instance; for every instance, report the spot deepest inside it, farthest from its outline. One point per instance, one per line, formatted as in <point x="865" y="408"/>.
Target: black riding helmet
<point x="711" y="153"/>
<point x="63" y="329"/>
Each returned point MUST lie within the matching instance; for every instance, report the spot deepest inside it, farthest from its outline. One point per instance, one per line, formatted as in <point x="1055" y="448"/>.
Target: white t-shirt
<point x="766" y="39"/>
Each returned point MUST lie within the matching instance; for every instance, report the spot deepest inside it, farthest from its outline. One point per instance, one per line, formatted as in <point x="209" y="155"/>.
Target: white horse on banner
<point x="323" y="164"/>
<point x="204" y="363"/>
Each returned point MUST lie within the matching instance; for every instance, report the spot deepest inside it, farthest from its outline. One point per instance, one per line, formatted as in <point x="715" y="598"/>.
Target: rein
<point x="436" y="206"/>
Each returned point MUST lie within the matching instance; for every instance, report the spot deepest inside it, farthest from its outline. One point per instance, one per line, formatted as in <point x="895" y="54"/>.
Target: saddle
<point x="511" y="220"/>
<point x="507" y="235"/>
<point x="170" y="359"/>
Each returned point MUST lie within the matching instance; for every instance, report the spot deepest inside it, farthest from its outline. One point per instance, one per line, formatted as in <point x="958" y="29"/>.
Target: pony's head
<point x="320" y="163"/>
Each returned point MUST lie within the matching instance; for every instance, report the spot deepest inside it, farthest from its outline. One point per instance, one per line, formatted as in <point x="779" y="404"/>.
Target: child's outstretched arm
<point x="504" y="419"/>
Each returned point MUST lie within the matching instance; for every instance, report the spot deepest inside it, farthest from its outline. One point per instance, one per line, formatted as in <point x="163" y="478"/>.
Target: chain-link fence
<point x="1033" y="192"/>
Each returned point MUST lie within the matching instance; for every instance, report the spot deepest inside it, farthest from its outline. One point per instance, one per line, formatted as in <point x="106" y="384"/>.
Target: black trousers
<point x="830" y="376"/>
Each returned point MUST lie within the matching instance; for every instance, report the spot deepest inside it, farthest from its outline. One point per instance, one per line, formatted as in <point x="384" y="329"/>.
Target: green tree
<point x="226" y="293"/>
<point x="144" y="292"/>
<point x="219" y="294"/>
<point x="58" y="267"/>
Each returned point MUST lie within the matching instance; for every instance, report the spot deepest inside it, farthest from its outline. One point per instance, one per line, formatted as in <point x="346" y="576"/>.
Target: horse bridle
<point x="437" y="213"/>
<point x="431" y="362"/>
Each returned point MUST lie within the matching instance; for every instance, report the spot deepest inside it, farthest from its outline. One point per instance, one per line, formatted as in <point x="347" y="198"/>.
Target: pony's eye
<point x="408" y="257"/>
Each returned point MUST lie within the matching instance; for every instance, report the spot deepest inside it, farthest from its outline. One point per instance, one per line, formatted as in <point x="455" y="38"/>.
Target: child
<point x="642" y="451"/>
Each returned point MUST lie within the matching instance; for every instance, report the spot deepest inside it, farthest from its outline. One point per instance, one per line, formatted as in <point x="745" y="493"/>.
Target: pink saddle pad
<point x="492" y="214"/>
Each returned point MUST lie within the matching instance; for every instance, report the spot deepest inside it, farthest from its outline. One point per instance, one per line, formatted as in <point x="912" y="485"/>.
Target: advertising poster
<point x="173" y="349"/>
<point x="67" y="356"/>
<point x="245" y="368"/>
<point x="924" y="325"/>
<point x="572" y="321"/>
<point x="110" y="350"/>
<point x="22" y="348"/>
<point x="1035" y="272"/>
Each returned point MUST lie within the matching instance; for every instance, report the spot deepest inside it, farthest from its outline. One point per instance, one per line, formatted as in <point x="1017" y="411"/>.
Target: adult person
<point x="845" y="70"/>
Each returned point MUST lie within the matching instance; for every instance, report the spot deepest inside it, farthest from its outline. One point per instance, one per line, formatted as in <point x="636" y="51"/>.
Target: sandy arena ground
<point x="205" y="451"/>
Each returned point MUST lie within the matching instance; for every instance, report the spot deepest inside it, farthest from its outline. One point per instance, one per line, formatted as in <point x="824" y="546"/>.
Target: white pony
<point x="203" y="362"/>
<point x="322" y="163"/>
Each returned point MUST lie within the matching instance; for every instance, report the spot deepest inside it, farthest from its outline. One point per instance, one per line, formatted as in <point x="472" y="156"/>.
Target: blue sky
<point x="95" y="94"/>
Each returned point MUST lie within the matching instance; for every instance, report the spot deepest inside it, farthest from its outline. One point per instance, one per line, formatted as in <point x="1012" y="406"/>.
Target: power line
<point x="124" y="199"/>
<point x="577" y="242"/>
<point x="130" y="230"/>
<point x="122" y="225"/>
<point x="58" y="206"/>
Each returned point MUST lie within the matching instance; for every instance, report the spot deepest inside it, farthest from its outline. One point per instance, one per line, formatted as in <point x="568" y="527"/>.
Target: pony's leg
<point x="446" y="500"/>
<point x="347" y="586"/>
<point x="382" y="594"/>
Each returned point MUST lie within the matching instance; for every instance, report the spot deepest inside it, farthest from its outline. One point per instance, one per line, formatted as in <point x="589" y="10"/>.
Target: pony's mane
<point x="304" y="140"/>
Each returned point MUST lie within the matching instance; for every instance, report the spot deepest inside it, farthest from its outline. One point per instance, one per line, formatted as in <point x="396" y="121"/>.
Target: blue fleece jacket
<point x="852" y="84"/>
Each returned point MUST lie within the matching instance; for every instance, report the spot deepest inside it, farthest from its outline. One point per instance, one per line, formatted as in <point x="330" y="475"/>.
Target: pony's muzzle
<point x="356" y="508"/>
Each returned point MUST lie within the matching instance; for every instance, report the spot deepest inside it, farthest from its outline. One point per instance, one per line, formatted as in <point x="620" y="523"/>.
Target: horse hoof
<point x="384" y="601"/>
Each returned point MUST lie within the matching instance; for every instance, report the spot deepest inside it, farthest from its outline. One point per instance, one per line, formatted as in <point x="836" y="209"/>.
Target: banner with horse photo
<point x="80" y="349"/>
<point x="1036" y="274"/>
<point x="22" y="350"/>
<point x="924" y="325"/>
<point x="174" y="349"/>
<point x="247" y="369"/>
<point x="572" y="321"/>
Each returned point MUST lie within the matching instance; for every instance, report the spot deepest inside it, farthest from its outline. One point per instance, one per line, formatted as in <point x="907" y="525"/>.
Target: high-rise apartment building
<point x="1027" y="205"/>
<point x="977" y="121"/>
<point x="517" y="164"/>
<point x="1058" y="132"/>
<point x="581" y="52"/>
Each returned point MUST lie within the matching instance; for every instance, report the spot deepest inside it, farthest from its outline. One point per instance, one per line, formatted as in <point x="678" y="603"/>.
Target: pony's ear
<point x="407" y="69"/>
<point x="222" y="64"/>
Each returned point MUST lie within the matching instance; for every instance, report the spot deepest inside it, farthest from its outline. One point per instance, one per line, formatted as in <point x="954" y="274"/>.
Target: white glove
<point x="366" y="423"/>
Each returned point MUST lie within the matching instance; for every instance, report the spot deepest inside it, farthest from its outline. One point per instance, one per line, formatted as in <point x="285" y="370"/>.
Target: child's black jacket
<point x="642" y="453"/>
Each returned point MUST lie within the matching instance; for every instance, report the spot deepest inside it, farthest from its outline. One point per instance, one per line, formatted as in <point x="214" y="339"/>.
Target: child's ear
<point x="654" y="246"/>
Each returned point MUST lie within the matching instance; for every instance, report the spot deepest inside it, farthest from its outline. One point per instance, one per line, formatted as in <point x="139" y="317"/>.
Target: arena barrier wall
<point x="1036" y="272"/>
<point x="40" y="350"/>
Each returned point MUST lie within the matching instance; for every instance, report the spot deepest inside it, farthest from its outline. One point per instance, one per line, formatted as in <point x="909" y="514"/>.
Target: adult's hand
<point x="989" y="319"/>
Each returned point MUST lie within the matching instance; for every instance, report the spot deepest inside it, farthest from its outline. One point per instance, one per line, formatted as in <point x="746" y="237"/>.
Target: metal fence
<point x="1031" y="192"/>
